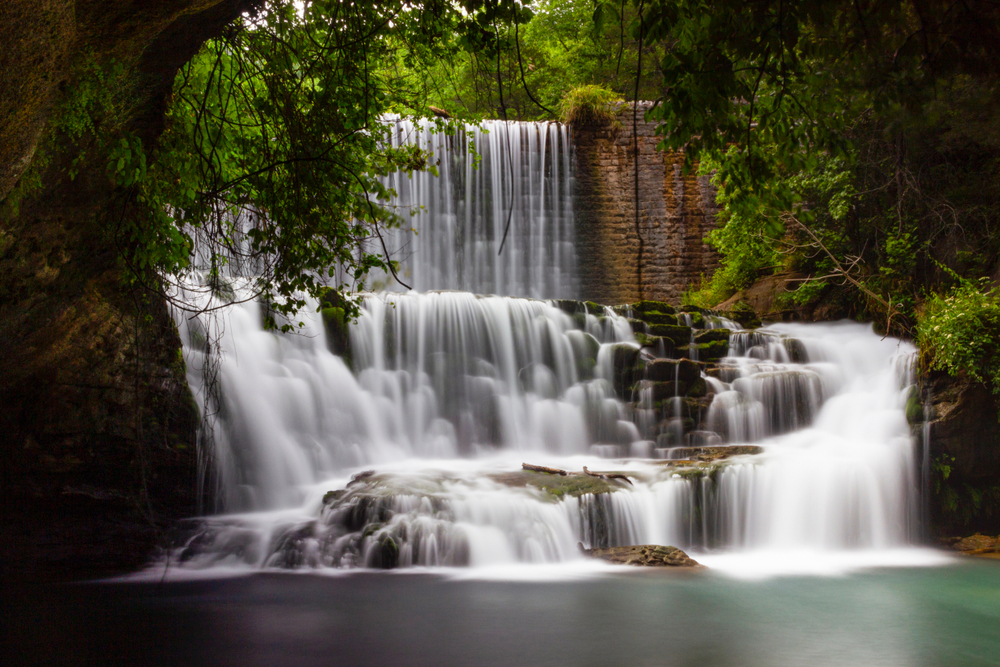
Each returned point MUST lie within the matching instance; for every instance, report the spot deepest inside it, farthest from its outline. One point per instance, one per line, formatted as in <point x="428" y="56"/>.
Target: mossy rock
<point x="706" y="351"/>
<point x="697" y="319"/>
<point x="594" y="308"/>
<point x="627" y="367"/>
<point x="914" y="408"/>
<point x="657" y="344"/>
<point x="666" y="370"/>
<point x="656" y="317"/>
<point x="711" y="454"/>
<point x="744" y="314"/>
<point x="638" y="326"/>
<point x="680" y="335"/>
<point x="796" y="350"/>
<point x="644" y="307"/>
<point x="697" y="389"/>
<point x="568" y="306"/>
<point x="585" y="349"/>
<point x="662" y="391"/>
<point x="557" y="487"/>
<point x="710" y="335"/>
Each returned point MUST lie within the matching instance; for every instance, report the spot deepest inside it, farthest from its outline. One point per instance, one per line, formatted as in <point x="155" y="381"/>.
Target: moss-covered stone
<point x="697" y="319"/>
<point x="568" y="306"/>
<point x="697" y="389"/>
<point x="667" y="370"/>
<point x="638" y="326"/>
<point x="557" y="487"/>
<point x="710" y="335"/>
<point x="914" y="408"/>
<point x="642" y="308"/>
<point x="706" y="352"/>
<point x="679" y="335"/>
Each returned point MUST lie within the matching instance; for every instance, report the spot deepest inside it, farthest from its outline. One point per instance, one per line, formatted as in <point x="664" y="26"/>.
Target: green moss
<point x="711" y="335"/>
<point x="679" y="335"/>
<point x="697" y="389"/>
<point x="697" y="319"/>
<point x="914" y="408"/>
<point x="645" y="307"/>
<point x="557" y="487"/>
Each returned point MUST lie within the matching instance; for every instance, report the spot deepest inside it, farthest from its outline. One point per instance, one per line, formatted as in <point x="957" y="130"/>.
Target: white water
<point x="450" y="388"/>
<point x="454" y="222"/>
<point x="445" y="392"/>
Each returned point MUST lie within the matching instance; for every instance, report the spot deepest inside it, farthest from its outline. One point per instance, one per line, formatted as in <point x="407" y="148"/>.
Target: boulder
<point x="647" y="555"/>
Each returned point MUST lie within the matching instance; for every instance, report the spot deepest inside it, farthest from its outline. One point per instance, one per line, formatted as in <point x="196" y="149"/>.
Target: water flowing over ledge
<point x="524" y="179"/>
<point x="397" y="440"/>
<point x="444" y="394"/>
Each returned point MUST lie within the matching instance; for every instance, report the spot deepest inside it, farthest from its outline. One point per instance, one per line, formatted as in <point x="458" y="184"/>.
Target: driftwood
<point x="607" y="475"/>
<point x="440" y="113"/>
<point x="551" y="471"/>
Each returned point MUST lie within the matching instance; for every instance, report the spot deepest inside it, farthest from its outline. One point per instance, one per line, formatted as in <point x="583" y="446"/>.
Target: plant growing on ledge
<point x="589" y="104"/>
<point x="958" y="333"/>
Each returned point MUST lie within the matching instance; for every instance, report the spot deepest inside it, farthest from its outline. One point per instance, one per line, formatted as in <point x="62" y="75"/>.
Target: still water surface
<point x="947" y="616"/>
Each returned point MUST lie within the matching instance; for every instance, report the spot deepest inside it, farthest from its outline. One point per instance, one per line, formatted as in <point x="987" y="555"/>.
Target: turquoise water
<point x="947" y="616"/>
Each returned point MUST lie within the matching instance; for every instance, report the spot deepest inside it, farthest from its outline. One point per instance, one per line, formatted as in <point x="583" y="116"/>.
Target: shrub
<point x="960" y="332"/>
<point x="589" y="104"/>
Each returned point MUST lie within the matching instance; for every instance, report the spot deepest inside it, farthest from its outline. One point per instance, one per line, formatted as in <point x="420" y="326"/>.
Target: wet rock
<point x="667" y="370"/>
<point x="712" y="454"/>
<point x="644" y="308"/>
<point x="568" y="306"/>
<point x="574" y="484"/>
<point x="706" y="352"/>
<point x="977" y="545"/>
<point x="679" y="335"/>
<point x="690" y="318"/>
<point x="965" y="456"/>
<point x="627" y="367"/>
<point x="647" y="555"/>
<point x="711" y="335"/>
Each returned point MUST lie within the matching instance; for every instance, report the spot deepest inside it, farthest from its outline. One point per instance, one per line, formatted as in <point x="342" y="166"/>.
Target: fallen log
<point x="551" y="471"/>
<point x="607" y="475"/>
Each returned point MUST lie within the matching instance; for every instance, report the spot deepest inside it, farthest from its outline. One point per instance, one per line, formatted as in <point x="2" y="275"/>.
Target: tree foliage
<point x="850" y="140"/>
<point x="276" y="143"/>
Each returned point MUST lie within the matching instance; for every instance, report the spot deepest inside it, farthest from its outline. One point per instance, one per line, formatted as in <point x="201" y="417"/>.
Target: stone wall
<point x="664" y="254"/>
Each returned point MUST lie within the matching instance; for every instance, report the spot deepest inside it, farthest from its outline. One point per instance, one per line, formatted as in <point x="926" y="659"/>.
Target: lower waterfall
<point x="405" y="448"/>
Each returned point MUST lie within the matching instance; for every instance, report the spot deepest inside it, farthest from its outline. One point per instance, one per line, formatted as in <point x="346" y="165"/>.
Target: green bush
<point x="589" y="104"/>
<point x="960" y="332"/>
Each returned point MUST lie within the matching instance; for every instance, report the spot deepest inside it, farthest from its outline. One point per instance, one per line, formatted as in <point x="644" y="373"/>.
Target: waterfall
<point x="399" y="441"/>
<point x="454" y="222"/>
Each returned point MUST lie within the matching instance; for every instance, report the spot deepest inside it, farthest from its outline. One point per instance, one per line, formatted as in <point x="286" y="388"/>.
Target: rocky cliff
<point x="99" y="451"/>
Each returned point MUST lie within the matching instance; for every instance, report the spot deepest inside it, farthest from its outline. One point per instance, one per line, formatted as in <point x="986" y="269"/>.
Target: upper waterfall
<point x="454" y="222"/>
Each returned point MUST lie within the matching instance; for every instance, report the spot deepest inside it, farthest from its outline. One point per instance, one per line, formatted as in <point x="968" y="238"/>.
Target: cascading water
<point x="401" y="443"/>
<point x="454" y="222"/>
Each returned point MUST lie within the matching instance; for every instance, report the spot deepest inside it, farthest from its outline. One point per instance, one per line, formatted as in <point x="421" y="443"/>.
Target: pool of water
<point x="926" y="616"/>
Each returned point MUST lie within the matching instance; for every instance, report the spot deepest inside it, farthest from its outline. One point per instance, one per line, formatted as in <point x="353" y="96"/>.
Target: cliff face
<point x="965" y="456"/>
<point x="99" y="453"/>
<point x="663" y="255"/>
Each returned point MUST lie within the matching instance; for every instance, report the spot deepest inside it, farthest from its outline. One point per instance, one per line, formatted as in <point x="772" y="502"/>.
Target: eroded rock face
<point x="646" y="555"/>
<point x="964" y="456"/>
